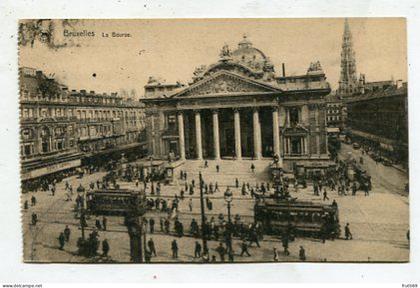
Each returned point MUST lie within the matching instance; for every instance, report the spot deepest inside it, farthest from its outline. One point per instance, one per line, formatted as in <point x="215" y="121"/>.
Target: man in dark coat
<point x="152" y="226"/>
<point x="347" y="232"/>
<point x="222" y="252"/>
<point x="152" y="247"/>
<point x="167" y="224"/>
<point x="67" y="233"/>
<point x="285" y="242"/>
<point x="174" y="248"/>
<point x="105" y="248"/>
<point x="104" y="222"/>
<point x="244" y="248"/>
<point x="61" y="240"/>
<point x="302" y="255"/>
<point x="33" y="200"/>
<point x="34" y="218"/>
<point x="98" y="224"/>
<point x="197" y="250"/>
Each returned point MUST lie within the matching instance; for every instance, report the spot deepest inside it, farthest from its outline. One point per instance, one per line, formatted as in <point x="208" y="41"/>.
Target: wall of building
<point x="57" y="122"/>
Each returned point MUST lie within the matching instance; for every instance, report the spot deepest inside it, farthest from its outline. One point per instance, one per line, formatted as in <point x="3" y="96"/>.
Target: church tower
<point x="348" y="80"/>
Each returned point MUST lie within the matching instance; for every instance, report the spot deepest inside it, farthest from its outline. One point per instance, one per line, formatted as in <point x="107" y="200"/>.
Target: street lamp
<point x="203" y="217"/>
<point x="228" y="198"/>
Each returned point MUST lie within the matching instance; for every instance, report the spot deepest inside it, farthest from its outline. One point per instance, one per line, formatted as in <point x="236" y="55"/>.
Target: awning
<point x="51" y="169"/>
<point x="333" y="130"/>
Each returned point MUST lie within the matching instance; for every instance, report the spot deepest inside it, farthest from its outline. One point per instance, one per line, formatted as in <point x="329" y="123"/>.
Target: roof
<point x="390" y="91"/>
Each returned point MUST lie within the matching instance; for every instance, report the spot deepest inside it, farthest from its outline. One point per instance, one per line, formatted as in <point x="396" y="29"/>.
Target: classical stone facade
<point x="238" y="108"/>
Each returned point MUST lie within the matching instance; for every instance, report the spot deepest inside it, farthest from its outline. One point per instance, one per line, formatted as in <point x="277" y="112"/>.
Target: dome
<point x="248" y="55"/>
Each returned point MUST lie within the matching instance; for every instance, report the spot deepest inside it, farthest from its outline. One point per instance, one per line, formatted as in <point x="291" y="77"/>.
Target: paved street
<point x="378" y="222"/>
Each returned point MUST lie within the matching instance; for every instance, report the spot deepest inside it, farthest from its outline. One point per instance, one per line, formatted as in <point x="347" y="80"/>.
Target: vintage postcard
<point x="214" y="140"/>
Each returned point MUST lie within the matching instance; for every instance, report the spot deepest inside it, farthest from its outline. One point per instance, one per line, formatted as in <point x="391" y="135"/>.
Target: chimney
<point x="283" y="69"/>
<point x="92" y="92"/>
<point x="83" y="92"/>
<point x="399" y="83"/>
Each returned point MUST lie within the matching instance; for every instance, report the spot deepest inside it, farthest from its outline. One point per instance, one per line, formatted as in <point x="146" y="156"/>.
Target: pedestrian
<point x="98" y="224"/>
<point x="252" y="167"/>
<point x="25" y="205"/>
<point x="162" y="224"/>
<point x="34" y="218"/>
<point x="152" y="247"/>
<point x="354" y="189"/>
<point x="147" y="255"/>
<point x="222" y="251"/>
<point x="167" y="225"/>
<point x="275" y="255"/>
<point x="67" y="233"/>
<point x="254" y="238"/>
<point x="152" y="226"/>
<point x="105" y="248"/>
<point x="104" y="222"/>
<point x="33" y="200"/>
<point x="61" y="240"/>
<point x="190" y="204"/>
<point x="213" y="258"/>
<point x="206" y="164"/>
<point x="217" y="168"/>
<point x="174" y="247"/>
<point x="197" y="250"/>
<point x="366" y="188"/>
<point x="325" y="195"/>
<point x="347" y="232"/>
<point x="216" y="187"/>
<point x="231" y="256"/>
<point x="302" y="255"/>
<point x="334" y="204"/>
<point x="285" y="242"/>
<point x="237" y="183"/>
<point x="244" y="249"/>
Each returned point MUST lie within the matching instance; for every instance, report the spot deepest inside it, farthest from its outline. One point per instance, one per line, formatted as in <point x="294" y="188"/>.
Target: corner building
<point x="237" y="108"/>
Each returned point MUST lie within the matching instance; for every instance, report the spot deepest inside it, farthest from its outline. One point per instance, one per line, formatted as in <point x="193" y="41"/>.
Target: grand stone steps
<point x="229" y="171"/>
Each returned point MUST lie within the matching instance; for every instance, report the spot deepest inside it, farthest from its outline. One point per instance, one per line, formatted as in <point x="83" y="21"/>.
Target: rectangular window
<point x="27" y="149"/>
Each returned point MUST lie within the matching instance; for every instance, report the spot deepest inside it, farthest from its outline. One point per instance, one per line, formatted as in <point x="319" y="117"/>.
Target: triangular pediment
<point x="224" y="82"/>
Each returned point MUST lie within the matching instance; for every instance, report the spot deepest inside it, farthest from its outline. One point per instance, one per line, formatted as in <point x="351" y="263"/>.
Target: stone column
<point x="199" y="147"/>
<point x="257" y="135"/>
<point x="181" y="136"/>
<point x="237" y="120"/>
<point x="276" y="134"/>
<point x="302" y="146"/>
<point x="216" y="140"/>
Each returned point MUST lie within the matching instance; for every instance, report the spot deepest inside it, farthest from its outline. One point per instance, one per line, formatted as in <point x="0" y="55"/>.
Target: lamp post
<point x="228" y="199"/>
<point x="203" y="218"/>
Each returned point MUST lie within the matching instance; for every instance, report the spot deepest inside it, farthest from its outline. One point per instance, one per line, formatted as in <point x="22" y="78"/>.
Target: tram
<point x="297" y="217"/>
<point x="115" y="202"/>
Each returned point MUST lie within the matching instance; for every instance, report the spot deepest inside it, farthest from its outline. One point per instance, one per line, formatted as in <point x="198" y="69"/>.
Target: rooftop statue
<point x="225" y="52"/>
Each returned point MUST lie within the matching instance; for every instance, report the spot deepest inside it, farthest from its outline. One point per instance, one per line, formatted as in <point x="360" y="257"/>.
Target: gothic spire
<point x="348" y="79"/>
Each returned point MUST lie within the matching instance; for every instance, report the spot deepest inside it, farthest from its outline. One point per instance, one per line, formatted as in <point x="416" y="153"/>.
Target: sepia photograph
<point x="211" y="141"/>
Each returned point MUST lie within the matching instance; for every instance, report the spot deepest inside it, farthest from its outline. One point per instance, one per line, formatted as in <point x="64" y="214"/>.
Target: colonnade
<point x="237" y="134"/>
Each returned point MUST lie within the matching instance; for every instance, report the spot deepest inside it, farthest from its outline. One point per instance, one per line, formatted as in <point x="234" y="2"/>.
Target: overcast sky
<point x="171" y="49"/>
